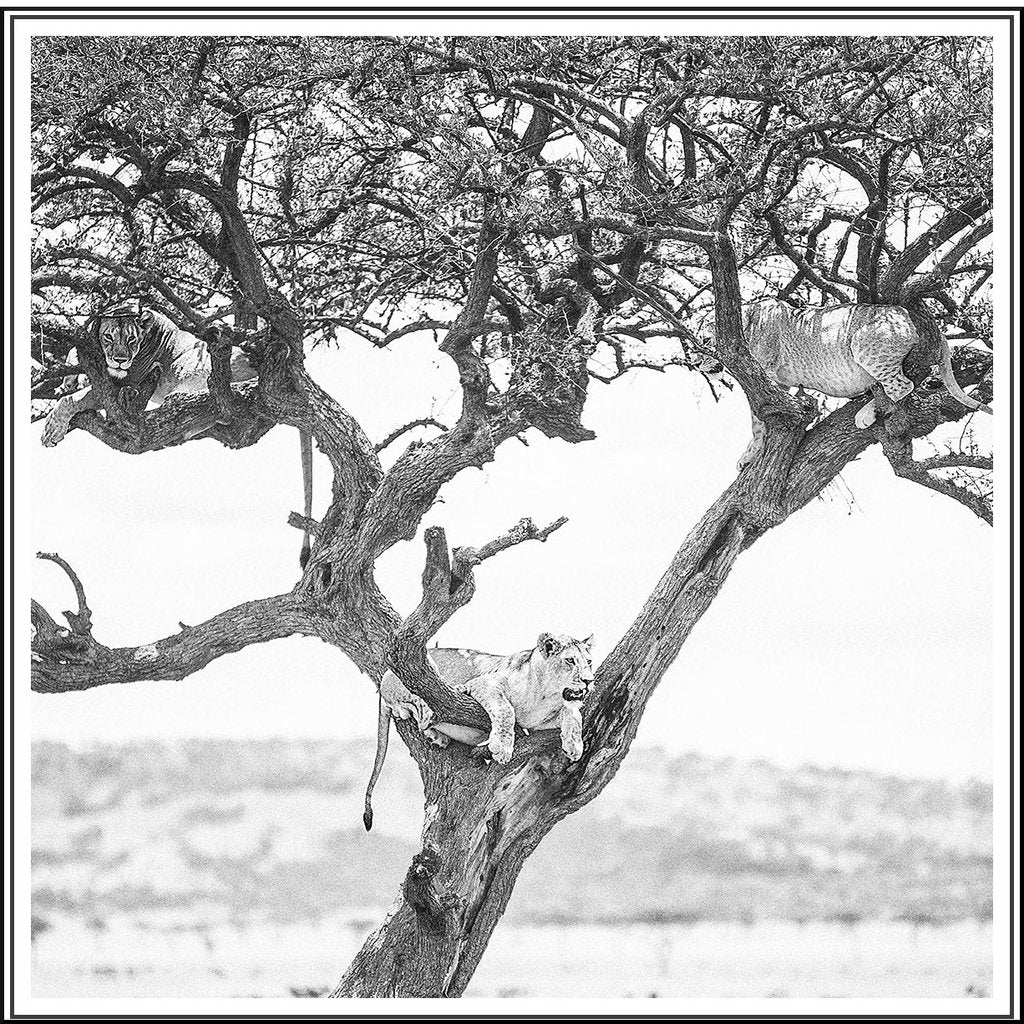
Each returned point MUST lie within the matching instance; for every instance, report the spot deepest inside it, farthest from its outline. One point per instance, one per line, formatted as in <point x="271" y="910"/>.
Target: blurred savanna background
<point x="220" y="868"/>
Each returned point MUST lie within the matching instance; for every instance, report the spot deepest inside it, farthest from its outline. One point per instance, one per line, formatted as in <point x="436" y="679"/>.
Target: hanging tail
<point x="946" y="372"/>
<point x="383" y="730"/>
<point x="306" y="446"/>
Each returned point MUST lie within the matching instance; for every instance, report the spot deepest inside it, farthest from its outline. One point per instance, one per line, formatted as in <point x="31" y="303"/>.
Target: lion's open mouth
<point x="570" y="694"/>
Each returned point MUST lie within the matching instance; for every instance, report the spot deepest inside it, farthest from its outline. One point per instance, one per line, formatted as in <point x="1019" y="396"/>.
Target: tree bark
<point x="482" y="822"/>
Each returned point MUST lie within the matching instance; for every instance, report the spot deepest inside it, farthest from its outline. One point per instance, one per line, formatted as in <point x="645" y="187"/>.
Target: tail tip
<point x="368" y="819"/>
<point x="303" y="556"/>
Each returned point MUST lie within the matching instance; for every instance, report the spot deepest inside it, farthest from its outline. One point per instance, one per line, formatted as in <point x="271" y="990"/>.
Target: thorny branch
<point x="974" y="495"/>
<point x="425" y="421"/>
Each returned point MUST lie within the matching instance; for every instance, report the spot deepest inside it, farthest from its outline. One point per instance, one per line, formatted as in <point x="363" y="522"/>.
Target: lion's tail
<point x="306" y="453"/>
<point x="946" y="373"/>
<point x="383" y="729"/>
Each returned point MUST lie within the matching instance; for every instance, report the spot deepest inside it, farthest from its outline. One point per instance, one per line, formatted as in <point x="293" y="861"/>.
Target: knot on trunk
<point x="418" y="888"/>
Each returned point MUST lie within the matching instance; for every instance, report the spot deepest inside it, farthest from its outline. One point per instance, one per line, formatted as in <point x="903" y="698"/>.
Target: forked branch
<point x="972" y="495"/>
<point x="449" y="584"/>
<point x="80" y="621"/>
<point x="65" y="660"/>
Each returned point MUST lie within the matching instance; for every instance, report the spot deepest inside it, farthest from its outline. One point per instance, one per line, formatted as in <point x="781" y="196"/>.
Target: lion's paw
<point x="573" y="751"/>
<point x="866" y="415"/>
<point x="437" y="738"/>
<point x="56" y="426"/>
<point x="500" y="747"/>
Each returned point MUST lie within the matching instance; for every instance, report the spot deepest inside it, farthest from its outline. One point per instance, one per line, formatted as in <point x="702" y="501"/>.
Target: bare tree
<point x="544" y="208"/>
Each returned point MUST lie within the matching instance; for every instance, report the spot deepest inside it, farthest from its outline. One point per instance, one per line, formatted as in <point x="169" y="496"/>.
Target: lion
<point x="542" y="688"/>
<point x="841" y="351"/>
<point x="141" y="346"/>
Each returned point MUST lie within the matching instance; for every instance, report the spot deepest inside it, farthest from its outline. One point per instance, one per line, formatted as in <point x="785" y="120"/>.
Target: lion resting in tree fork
<point x="542" y="688"/>
<point x="841" y="351"/>
<point x="140" y="345"/>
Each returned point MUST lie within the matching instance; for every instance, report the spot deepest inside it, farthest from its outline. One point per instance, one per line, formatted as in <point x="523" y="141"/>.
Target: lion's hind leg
<point x="753" y="449"/>
<point x="880" y="350"/>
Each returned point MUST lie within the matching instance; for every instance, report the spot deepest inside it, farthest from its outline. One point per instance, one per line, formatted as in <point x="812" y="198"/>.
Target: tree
<point x="540" y="207"/>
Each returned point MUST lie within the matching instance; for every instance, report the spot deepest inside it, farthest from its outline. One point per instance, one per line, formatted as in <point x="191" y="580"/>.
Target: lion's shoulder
<point x="168" y="336"/>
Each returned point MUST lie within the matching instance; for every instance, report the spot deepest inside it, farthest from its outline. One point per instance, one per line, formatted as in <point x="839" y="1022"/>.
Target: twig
<point x="303" y="523"/>
<point x="900" y="456"/>
<point x="525" y="529"/>
<point x="426" y="421"/>
<point x="80" y="621"/>
<point x="956" y="460"/>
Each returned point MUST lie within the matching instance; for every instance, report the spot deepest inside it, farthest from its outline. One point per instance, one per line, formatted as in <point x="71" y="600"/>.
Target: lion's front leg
<point x="502" y="715"/>
<point x="756" y="443"/>
<point x="570" y="724"/>
<point x="59" y="419"/>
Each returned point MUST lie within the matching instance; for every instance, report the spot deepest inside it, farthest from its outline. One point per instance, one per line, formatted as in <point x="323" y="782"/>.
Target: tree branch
<point x="80" y="621"/>
<point x="793" y="255"/>
<point x="949" y="225"/>
<point x="448" y="585"/>
<point x="900" y="455"/>
<point x="426" y="421"/>
<point x="64" y="661"/>
<point x="182" y="418"/>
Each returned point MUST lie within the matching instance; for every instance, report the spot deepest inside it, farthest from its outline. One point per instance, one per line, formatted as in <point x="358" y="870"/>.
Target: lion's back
<point x="457" y="666"/>
<point x="819" y="348"/>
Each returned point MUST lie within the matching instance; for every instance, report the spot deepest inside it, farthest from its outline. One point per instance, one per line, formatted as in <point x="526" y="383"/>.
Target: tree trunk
<point x="481" y="822"/>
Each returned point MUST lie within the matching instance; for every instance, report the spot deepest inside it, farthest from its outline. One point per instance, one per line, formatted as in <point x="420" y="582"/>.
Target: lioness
<point x="141" y="345"/>
<point x="542" y="688"/>
<point x="841" y="351"/>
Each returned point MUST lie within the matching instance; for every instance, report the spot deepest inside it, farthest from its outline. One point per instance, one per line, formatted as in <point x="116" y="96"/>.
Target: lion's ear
<point x="548" y="645"/>
<point x="586" y="643"/>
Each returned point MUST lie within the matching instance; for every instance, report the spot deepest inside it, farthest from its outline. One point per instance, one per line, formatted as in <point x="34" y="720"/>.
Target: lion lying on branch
<point x="542" y="688"/>
<point x="841" y="351"/>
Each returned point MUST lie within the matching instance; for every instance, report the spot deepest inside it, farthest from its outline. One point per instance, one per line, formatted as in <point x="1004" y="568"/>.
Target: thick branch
<point x="64" y="662"/>
<point x="182" y="418"/>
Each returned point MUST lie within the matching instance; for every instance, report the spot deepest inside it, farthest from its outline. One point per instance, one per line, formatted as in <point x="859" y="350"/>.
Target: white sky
<point x="854" y="634"/>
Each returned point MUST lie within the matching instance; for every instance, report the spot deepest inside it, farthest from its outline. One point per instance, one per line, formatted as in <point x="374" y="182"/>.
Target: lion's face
<point x="120" y="334"/>
<point x="569" y="661"/>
